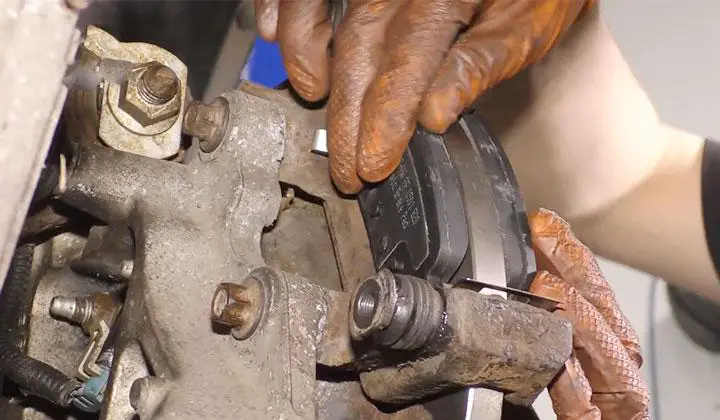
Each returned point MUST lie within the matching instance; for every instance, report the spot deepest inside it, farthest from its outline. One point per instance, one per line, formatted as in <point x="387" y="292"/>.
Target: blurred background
<point x="674" y="52"/>
<point x="673" y="49"/>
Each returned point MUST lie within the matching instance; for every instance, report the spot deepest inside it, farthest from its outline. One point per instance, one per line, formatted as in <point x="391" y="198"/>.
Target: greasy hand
<point x="397" y="62"/>
<point x="602" y="378"/>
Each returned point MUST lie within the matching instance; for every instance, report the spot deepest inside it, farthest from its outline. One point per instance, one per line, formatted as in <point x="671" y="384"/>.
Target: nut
<point x="239" y="307"/>
<point x="207" y="122"/>
<point x="150" y="94"/>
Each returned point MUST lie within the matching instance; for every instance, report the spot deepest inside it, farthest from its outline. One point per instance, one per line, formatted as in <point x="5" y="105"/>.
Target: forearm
<point x="658" y="226"/>
<point x="587" y="143"/>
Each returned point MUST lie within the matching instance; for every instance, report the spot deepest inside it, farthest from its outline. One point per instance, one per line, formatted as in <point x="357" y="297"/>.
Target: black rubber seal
<point x="710" y="180"/>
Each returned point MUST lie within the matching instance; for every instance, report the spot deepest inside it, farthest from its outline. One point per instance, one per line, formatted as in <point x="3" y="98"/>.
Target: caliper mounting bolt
<point x="239" y="306"/>
<point x="207" y="122"/>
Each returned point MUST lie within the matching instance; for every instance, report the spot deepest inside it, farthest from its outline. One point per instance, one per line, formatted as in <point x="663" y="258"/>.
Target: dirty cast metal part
<point x="38" y="41"/>
<point x="194" y="225"/>
<point x="464" y="336"/>
<point x="202" y="229"/>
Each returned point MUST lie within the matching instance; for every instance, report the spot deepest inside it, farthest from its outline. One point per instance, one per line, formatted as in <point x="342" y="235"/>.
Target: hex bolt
<point x="228" y="304"/>
<point x="158" y="84"/>
<point x="207" y="122"/>
<point x="78" y="310"/>
<point x="239" y="307"/>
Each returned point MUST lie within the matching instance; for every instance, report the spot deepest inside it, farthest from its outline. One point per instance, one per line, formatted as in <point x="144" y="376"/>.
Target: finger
<point x="304" y="32"/>
<point x="558" y="251"/>
<point x="358" y="51"/>
<point x="266" y="18"/>
<point x="417" y="39"/>
<point x="505" y="37"/>
<point x="570" y="391"/>
<point x="618" y="389"/>
<point x="571" y="395"/>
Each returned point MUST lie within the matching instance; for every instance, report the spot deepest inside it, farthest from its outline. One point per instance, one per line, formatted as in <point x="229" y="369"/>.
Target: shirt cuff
<point x="710" y="180"/>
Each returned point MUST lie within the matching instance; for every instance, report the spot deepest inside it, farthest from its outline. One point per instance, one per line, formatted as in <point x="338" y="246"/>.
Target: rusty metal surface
<point x="207" y="122"/>
<point x="37" y="40"/>
<point x="310" y="173"/>
<point x="497" y="343"/>
<point x="128" y="122"/>
<point x="240" y="306"/>
<point x="135" y="108"/>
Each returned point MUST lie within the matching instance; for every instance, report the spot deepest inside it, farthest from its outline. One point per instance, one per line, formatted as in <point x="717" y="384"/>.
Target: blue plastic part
<point x="265" y="64"/>
<point x="92" y="393"/>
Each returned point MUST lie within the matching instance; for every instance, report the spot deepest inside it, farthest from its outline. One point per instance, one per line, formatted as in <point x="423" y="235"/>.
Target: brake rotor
<point x="452" y="212"/>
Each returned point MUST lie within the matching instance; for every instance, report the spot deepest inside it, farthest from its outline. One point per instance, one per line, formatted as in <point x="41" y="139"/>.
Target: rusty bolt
<point x="150" y="94"/>
<point x="159" y="84"/>
<point x="207" y="122"/>
<point x="239" y="307"/>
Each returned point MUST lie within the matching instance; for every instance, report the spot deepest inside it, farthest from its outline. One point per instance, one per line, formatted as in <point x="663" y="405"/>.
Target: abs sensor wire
<point x="31" y="375"/>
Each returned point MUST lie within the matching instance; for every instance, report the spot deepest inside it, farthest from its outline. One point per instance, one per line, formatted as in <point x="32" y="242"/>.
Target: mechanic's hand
<point x="602" y="378"/>
<point x="398" y="62"/>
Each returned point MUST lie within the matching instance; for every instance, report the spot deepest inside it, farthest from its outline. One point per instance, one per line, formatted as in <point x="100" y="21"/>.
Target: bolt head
<point x="239" y="307"/>
<point x="207" y="122"/>
<point x="229" y="305"/>
<point x="144" y="108"/>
